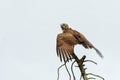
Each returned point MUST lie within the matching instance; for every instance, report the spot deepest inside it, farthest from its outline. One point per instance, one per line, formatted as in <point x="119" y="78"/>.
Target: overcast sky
<point x="28" y="30"/>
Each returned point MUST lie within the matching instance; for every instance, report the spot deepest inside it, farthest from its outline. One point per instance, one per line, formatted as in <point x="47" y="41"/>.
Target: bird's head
<point x="64" y="26"/>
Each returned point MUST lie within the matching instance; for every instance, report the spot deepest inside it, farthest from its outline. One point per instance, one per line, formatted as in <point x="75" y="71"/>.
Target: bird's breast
<point x="70" y="39"/>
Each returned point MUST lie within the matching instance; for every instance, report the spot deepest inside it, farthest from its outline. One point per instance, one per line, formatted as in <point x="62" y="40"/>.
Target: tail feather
<point x="98" y="52"/>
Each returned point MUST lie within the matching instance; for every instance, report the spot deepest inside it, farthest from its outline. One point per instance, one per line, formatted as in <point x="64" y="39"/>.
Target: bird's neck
<point x="67" y="30"/>
<point x="64" y="31"/>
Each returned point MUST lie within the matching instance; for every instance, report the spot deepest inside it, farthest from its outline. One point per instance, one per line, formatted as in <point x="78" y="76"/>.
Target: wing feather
<point x="60" y="55"/>
<point x="83" y="40"/>
<point x="63" y="54"/>
<point x="66" y="55"/>
<point x="64" y="50"/>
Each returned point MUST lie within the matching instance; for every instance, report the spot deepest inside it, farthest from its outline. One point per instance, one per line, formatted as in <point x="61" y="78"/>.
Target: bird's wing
<point x="80" y="38"/>
<point x="64" y="50"/>
<point x="83" y="40"/>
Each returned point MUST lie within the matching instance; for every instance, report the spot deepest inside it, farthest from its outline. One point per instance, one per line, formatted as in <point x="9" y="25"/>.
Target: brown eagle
<point x="68" y="39"/>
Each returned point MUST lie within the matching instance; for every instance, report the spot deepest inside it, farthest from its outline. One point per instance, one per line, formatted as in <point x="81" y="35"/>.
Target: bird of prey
<point x="68" y="39"/>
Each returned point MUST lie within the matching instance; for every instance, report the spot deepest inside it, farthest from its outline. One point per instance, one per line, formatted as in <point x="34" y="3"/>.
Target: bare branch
<point x="72" y="70"/>
<point x="95" y="75"/>
<point x="85" y="68"/>
<point x="80" y="65"/>
<point x="90" y="61"/>
<point x="91" y="78"/>
<point x="68" y="72"/>
<point x="81" y="77"/>
<point x="59" y="69"/>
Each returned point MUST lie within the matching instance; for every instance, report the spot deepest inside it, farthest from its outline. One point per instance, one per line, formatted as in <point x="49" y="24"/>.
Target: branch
<point x="95" y="75"/>
<point x="90" y="61"/>
<point x="59" y="69"/>
<point x="80" y="65"/>
<point x="91" y="78"/>
<point x="72" y="70"/>
<point x="66" y="70"/>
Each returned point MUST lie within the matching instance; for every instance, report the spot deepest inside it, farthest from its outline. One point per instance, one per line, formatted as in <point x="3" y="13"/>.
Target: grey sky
<point x="28" y="30"/>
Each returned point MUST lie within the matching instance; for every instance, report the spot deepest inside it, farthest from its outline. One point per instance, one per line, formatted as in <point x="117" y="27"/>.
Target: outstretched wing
<point x="64" y="50"/>
<point x="83" y="40"/>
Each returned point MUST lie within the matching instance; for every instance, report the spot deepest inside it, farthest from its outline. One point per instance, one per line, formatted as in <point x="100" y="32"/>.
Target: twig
<point x="90" y="61"/>
<point x="81" y="77"/>
<point x="91" y="78"/>
<point x="59" y="69"/>
<point x="95" y="75"/>
<point x="73" y="71"/>
<point x="66" y="70"/>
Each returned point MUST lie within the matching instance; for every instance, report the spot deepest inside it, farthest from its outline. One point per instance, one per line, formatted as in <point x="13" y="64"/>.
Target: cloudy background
<point x="28" y="30"/>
